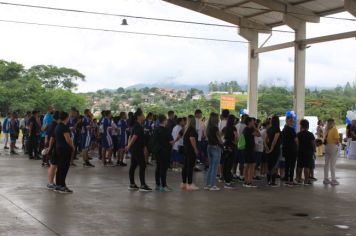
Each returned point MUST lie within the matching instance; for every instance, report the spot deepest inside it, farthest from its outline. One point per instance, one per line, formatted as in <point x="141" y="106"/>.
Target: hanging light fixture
<point x="124" y="22"/>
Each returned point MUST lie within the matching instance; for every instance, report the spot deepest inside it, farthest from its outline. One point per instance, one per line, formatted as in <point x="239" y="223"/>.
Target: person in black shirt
<point x="353" y="130"/>
<point x="229" y="153"/>
<point x="34" y="132"/>
<point x="162" y="147"/>
<point x="52" y="152"/>
<point x="249" y="133"/>
<point x="306" y="141"/>
<point x="136" y="145"/>
<point x="273" y="145"/>
<point x="171" y="121"/>
<point x="289" y="150"/>
<point x="190" y="141"/>
<point x="64" y="149"/>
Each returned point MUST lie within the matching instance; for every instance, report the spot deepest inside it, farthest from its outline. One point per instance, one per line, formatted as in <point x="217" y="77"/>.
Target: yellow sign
<point x="227" y="102"/>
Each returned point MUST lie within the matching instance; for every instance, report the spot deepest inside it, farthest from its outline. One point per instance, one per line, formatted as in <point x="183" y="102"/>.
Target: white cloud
<point x="111" y="60"/>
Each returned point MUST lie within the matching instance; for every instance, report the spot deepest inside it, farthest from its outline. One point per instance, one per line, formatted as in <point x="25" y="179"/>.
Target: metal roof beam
<point x="220" y="14"/>
<point x="286" y="8"/>
<point x="350" y="6"/>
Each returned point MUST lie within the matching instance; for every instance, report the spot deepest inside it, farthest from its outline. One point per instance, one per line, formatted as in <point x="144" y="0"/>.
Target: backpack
<point x="241" y="145"/>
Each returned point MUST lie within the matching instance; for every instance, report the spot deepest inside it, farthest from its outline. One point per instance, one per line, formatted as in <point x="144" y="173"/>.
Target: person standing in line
<point x="200" y="128"/>
<point x="171" y="122"/>
<point x="136" y="145"/>
<point x="64" y="147"/>
<point x="332" y="141"/>
<point x="273" y="150"/>
<point x="250" y="132"/>
<point x="177" y="134"/>
<point x="53" y="158"/>
<point x="289" y="150"/>
<point x="353" y="130"/>
<point x="224" y="117"/>
<point x="14" y="132"/>
<point x="85" y="137"/>
<point x="264" y="165"/>
<point x="122" y="124"/>
<point x="190" y="143"/>
<point x="229" y="153"/>
<point x="148" y="126"/>
<point x="162" y="148"/>
<point x="240" y="159"/>
<point x="115" y="136"/>
<point x="34" y="132"/>
<point x="106" y="141"/>
<point x="6" y="127"/>
<point x="258" y="153"/>
<point x="320" y="137"/>
<point x="306" y="150"/>
<point x="214" y="151"/>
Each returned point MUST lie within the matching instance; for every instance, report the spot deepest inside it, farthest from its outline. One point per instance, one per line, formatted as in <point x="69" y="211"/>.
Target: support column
<point x="252" y="82"/>
<point x="299" y="73"/>
<point x="350" y="6"/>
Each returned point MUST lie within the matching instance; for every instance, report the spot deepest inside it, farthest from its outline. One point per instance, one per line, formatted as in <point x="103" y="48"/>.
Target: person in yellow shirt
<point x="332" y="141"/>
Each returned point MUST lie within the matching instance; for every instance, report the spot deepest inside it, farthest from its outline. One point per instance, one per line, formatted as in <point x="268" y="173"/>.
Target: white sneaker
<point x="207" y="187"/>
<point x="326" y="181"/>
<point x="214" y="188"/>
<point x="193" y="187"/>
<point x="334" y="183"/>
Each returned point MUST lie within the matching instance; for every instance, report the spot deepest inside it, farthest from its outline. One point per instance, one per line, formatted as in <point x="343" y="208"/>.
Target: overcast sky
<point x="112" y="60"/>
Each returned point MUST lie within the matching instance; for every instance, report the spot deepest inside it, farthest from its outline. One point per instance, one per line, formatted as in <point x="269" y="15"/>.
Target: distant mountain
<point x="175" y="86"/>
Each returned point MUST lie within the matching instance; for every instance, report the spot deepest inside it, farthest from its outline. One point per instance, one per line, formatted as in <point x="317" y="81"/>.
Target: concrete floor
<point x="101" y="205"/>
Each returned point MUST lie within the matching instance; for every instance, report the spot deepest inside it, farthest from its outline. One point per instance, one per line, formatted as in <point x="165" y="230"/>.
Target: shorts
<point x="305" y="161"/>
<point x="85" y="141"/>
<point x="250" y="157"/>
<point x="14" y="137"/>
<point x="106" y="142"/>
<point x="240" y="157"/>
<point x="115" y="142"/>
<point x="176" y="156"/>
<point x="258" y="158"/>
<point x="53" y="159"/>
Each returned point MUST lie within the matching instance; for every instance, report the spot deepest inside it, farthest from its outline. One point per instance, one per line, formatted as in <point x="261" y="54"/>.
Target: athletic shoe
<point x="334" y="183"/>
<point x="6" y="147"/>
<point x="145" y="188"/>
<point x="313" y="179"/>
<point x="221" y="180"/>
<point x="14" y="153"/>
<point x="214" y="188"/>
<point x="64" y="190"/>
<point x="192" y="187"/>
<point x="88" y="164"/>
<point x="228" y="186"/>
<point x="245" y="185"/>
<point x="326" y="181"/>
<point x="123" y="164"/>
<point x="207" y="187"/>
<point x="307" y="183"/>
<point x="252" y="186"/>
<point x="51" y="186"/>
<point x="274" y="185"/>
<point x="133" y="187"/>
<point x="158" y="188"/>
<point x="165" y="189"/>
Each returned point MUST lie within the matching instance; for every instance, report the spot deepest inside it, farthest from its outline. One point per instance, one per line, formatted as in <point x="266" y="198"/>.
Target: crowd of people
<point x="231" y="149"/>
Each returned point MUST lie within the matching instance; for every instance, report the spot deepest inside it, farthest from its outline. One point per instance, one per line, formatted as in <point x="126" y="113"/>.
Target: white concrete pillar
<point x="252" y="80"/>
<point x="299" y="73"/>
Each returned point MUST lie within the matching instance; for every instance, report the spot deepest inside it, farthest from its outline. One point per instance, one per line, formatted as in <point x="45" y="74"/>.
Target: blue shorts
<point x="106" y="141"/>
<point x="85" y="141"/>
<point x="258" y="158"/>
<point x="176" y="156"/>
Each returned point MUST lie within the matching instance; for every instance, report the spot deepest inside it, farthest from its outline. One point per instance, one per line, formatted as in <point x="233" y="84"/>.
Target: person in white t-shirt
<point x="240" y="160"/>
<point x="200" y="128"/>
<point x="177" y="133"/>
<point x="258" y="152"/>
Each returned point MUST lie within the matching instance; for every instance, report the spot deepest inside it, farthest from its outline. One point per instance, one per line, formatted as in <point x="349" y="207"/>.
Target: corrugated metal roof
<point x="269" y="13"/>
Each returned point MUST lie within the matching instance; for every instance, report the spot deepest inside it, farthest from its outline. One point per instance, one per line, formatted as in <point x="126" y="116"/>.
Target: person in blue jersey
<point x="106" y="140"/>
<point x="6" y="127"/>
<point x="148" y="129"/>
<point x="85" y="137"/>
<point x="122" y="125"/>
<point x="14" y="130"/>
<point x="47" y="121"/>
<point x="136" y="145"/>
<point x="115" y="135"/>
<point x="99" y="138"/>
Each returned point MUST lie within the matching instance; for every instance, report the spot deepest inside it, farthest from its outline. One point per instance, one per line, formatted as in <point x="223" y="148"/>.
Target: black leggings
<point x="188" y="167"/>
<point x="163" y="161"/>
<point x="291" y="159"/>
<point x="228" y="162"/>
<point x="272" y="166"/>
<point x="33" y="146"/>
<point x="64" y="157"/>
<point x="137" y="159"/>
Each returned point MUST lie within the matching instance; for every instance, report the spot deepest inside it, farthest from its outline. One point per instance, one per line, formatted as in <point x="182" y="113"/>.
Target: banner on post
<point x="227" y="102"/>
